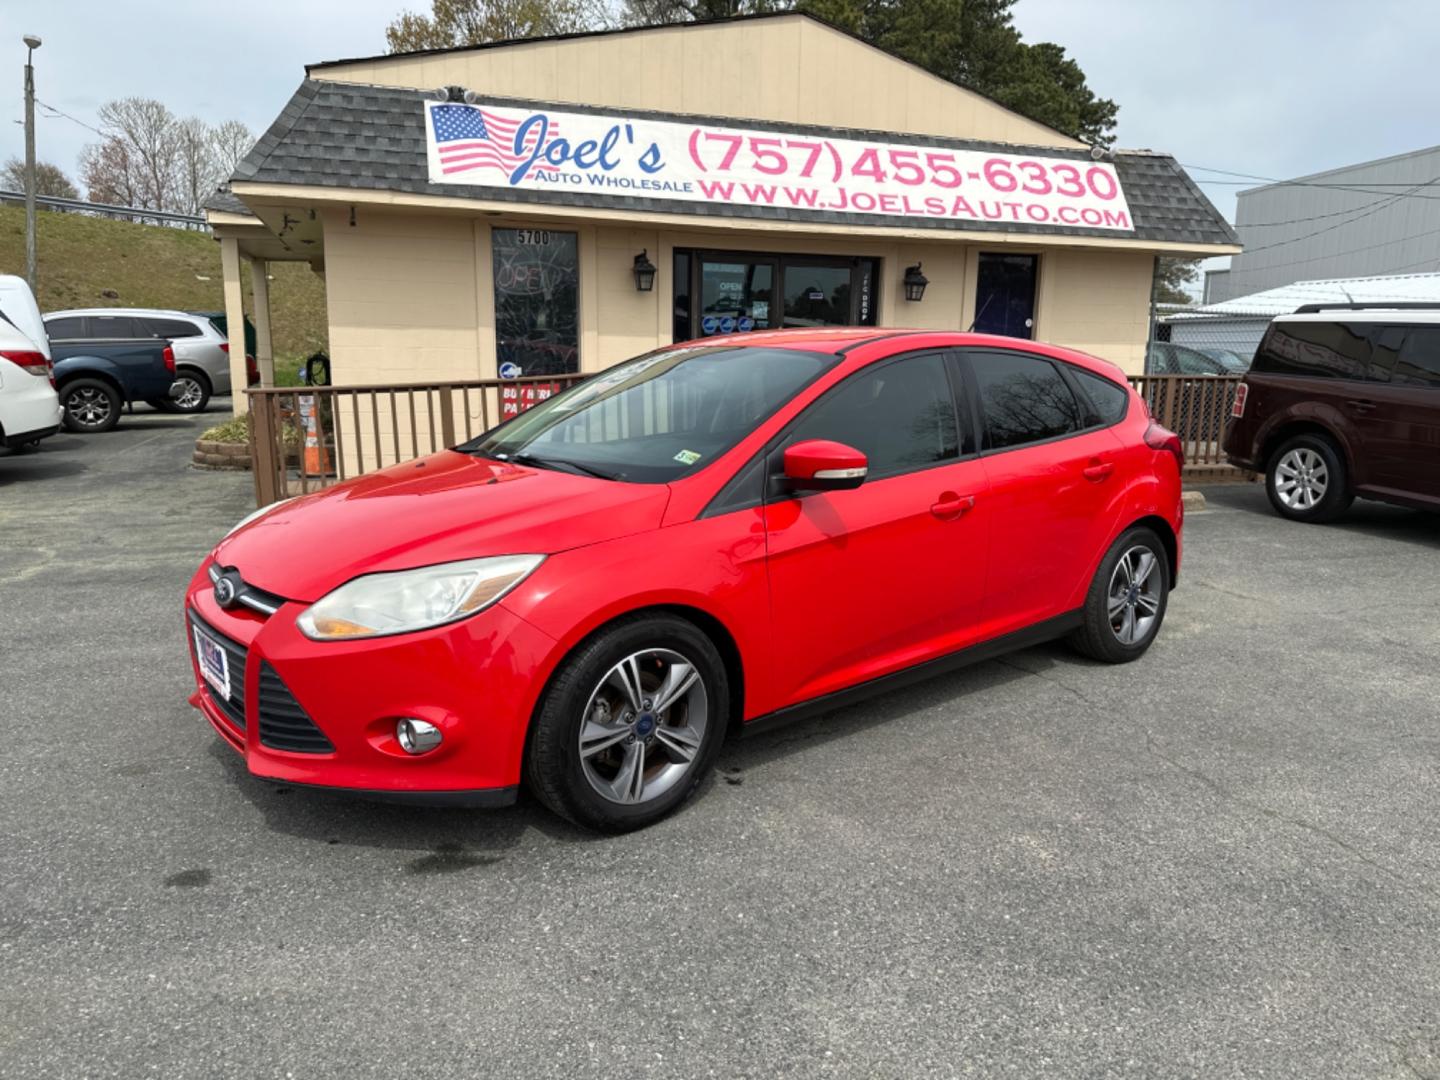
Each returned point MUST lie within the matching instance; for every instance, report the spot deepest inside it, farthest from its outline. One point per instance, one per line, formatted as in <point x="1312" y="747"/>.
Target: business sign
<point x="516" y="399"/>
<point x="564" y="152"/>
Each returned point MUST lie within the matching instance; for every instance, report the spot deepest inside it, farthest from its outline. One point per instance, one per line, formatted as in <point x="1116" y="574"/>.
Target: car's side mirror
<point x="823" y="465"/>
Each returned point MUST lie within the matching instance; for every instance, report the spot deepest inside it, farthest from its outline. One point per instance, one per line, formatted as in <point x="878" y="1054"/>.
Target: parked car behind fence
<point x="202" y="353"/>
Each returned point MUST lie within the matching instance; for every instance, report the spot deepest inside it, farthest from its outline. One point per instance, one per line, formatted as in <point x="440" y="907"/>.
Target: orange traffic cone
<point x="317" y="457"/>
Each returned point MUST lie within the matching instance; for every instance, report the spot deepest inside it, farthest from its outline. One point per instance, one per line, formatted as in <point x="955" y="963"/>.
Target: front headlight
<point x="408" y="600"/>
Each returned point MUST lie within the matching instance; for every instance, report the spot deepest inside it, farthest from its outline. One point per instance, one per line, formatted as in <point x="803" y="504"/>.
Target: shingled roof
<point x="347" y="135"/>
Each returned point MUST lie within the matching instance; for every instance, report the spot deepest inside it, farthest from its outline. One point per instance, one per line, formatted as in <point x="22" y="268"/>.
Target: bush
<point x="234" y="430"/>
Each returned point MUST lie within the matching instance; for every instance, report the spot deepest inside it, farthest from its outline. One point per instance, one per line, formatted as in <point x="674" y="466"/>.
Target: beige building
<point x="494" y="210"/>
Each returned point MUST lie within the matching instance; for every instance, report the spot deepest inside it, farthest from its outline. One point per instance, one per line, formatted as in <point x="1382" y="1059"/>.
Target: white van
<point x="29" y="406"/>
<point x="18" y="304"/>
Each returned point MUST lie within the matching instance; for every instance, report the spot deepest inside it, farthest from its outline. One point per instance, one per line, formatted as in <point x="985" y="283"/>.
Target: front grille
<point x="235" y="654"/>
<point x="283" y="723"/>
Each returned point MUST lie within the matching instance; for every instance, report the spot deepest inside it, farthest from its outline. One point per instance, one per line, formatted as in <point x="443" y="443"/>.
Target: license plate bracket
<point x="214" y="663"/>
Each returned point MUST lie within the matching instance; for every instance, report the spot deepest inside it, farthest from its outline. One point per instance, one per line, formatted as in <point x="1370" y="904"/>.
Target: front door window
<point x="735" y="296"/>
<point x="1005" y="295"/>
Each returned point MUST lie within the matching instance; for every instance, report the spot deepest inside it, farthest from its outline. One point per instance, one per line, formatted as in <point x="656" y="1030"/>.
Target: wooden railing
<point x="1197" y="408"/>
<point x="306" y="438"/>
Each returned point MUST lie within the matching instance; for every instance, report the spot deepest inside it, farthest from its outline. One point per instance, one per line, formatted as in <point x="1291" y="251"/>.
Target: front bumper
<point x="476" y="680"/>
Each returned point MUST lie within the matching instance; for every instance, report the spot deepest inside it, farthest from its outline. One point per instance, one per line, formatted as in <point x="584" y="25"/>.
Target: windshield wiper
<point x="561" y="464"/>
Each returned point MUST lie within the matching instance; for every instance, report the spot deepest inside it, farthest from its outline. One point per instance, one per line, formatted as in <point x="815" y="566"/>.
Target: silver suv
<point x="202" y="357"/>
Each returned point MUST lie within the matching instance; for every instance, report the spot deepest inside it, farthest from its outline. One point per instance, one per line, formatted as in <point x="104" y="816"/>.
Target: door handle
<point x="1361" y="404"/>
<point x="951" y="505"/>
<point x="1098" y="470"/>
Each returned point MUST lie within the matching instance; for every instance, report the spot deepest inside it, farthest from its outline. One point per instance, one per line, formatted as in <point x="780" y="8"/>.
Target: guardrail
<point x="306" y="438"/>
<point x="125" y="213"/>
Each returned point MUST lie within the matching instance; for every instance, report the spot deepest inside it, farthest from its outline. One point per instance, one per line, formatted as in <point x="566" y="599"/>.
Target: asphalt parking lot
<point x="1220" y="861"/>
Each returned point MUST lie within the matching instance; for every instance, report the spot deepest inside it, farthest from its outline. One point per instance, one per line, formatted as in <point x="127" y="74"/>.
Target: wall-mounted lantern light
<point x="644" y="273"/>
<point x="915" y="282"/>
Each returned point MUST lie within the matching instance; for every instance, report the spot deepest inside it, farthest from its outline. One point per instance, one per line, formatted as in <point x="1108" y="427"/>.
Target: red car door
<point x="867" y="581"/>
<point x="1051" y="470"/>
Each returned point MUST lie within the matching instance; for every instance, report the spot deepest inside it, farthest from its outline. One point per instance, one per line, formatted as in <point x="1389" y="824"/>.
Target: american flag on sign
<point x="468" y="137"/>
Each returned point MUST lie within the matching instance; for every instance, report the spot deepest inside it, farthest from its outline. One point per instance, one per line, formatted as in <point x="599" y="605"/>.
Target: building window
<point x="728" y="292"/>
<point x="537" y="301"/>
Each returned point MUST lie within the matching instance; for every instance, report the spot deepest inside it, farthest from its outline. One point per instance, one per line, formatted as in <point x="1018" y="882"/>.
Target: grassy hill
<point x="79" y="258"/>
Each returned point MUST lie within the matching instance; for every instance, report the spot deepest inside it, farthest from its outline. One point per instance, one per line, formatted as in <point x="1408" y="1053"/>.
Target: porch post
<point x="235" y="321"/>
<point x="260" y="293"/>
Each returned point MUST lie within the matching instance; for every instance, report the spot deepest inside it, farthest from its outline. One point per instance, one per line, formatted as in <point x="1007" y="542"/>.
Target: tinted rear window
<point x="70" y="328"/>
<point x="1110" y="401"/>
<point x="116" y="326"/>
<point x="1331" y="350"/>
<point x="1024" y="398"/>
<point x="170" y="328"/>
<point x="1419" y="362"/>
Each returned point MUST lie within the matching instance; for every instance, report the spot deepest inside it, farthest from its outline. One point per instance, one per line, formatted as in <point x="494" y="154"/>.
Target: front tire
<point x="630" y="724"/>
<point x="1127" y="599"/>
<point x="1306" y="480"/>
<point x="91" y="405"/>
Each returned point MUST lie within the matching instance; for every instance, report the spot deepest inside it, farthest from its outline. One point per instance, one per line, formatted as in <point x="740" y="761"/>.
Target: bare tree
<point x="196" y="163"/>
<point x="152" y="138"/>
<point x="109" y="173"/>
<point x="49" y="179"/>
<point x="230" y="142"/>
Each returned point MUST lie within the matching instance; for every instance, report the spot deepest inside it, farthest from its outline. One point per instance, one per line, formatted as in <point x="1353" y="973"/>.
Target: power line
<point x="67" y="116"/>
<point x="1356" y="251"/>
<point x="1341" y="224"/>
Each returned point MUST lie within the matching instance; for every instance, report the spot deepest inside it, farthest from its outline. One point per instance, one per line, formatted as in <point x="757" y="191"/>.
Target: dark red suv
<point x="1343" y="401"/>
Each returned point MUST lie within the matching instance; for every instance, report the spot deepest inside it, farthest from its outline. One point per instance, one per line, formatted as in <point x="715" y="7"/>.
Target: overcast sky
<point x="1270" y="88"/>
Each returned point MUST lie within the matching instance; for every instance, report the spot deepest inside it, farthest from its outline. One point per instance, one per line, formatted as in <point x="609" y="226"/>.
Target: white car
<point x="29" y="406"/>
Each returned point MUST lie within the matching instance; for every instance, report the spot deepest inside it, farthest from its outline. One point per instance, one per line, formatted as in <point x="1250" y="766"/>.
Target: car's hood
<point x="437" y="509"/>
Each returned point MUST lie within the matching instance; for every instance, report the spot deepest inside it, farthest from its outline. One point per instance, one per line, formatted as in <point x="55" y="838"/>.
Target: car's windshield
<point x="657" y="417"/>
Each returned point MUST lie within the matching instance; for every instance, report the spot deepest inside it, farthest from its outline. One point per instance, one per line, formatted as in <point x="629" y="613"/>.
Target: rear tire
<point x="1126" y="604"/>
<point x="91" y="405"/>
<point x="616" y="752"/>
<point x="194" y="393"/>
<point x="1306" y="480"/>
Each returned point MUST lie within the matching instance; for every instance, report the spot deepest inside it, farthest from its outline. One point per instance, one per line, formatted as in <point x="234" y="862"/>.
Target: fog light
<point x="416" y="736"/>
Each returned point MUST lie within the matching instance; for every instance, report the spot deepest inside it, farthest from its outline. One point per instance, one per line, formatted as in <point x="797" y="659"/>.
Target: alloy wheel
<point x="190" y="395"/>
<point x="88" y="406"/>
<point x="1301" y="478"/>
<point x="643" y="727"/>
<point x="1134" y="596"/>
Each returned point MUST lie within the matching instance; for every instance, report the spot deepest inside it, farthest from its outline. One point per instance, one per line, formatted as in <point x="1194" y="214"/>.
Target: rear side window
<point x="1024" y="398"/>
<point x="116" y="326"/>
<point x="1331" y="350"/>
<point x="70" y="328"/>
<point x="170" y="328"/>
<point x="900" y="415"/>
<point x="1111" y="402"/>
<point x="1419" y="360"/>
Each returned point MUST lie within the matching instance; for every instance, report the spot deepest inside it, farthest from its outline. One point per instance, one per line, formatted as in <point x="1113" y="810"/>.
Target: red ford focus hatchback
<point x="712" y="536"/>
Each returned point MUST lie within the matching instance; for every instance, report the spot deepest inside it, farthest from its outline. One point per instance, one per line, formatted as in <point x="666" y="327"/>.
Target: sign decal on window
<point x="564" y="152"/>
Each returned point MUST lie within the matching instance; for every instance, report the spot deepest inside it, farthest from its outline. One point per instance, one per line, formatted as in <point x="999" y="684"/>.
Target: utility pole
<point x="31" y="44"/>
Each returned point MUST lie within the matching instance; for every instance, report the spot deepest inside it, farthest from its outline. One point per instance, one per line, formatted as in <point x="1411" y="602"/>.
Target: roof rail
<point x="1372" y="305"/>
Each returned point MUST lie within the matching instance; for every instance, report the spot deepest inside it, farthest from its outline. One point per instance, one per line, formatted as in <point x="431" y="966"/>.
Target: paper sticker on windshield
<point x="687" y="457"/>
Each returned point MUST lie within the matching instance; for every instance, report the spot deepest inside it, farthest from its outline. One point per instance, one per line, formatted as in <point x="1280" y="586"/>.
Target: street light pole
<point x="31" y="44"/>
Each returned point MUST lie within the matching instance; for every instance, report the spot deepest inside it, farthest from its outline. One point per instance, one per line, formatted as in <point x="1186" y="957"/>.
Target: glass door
<point x="1005" y="295"/>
